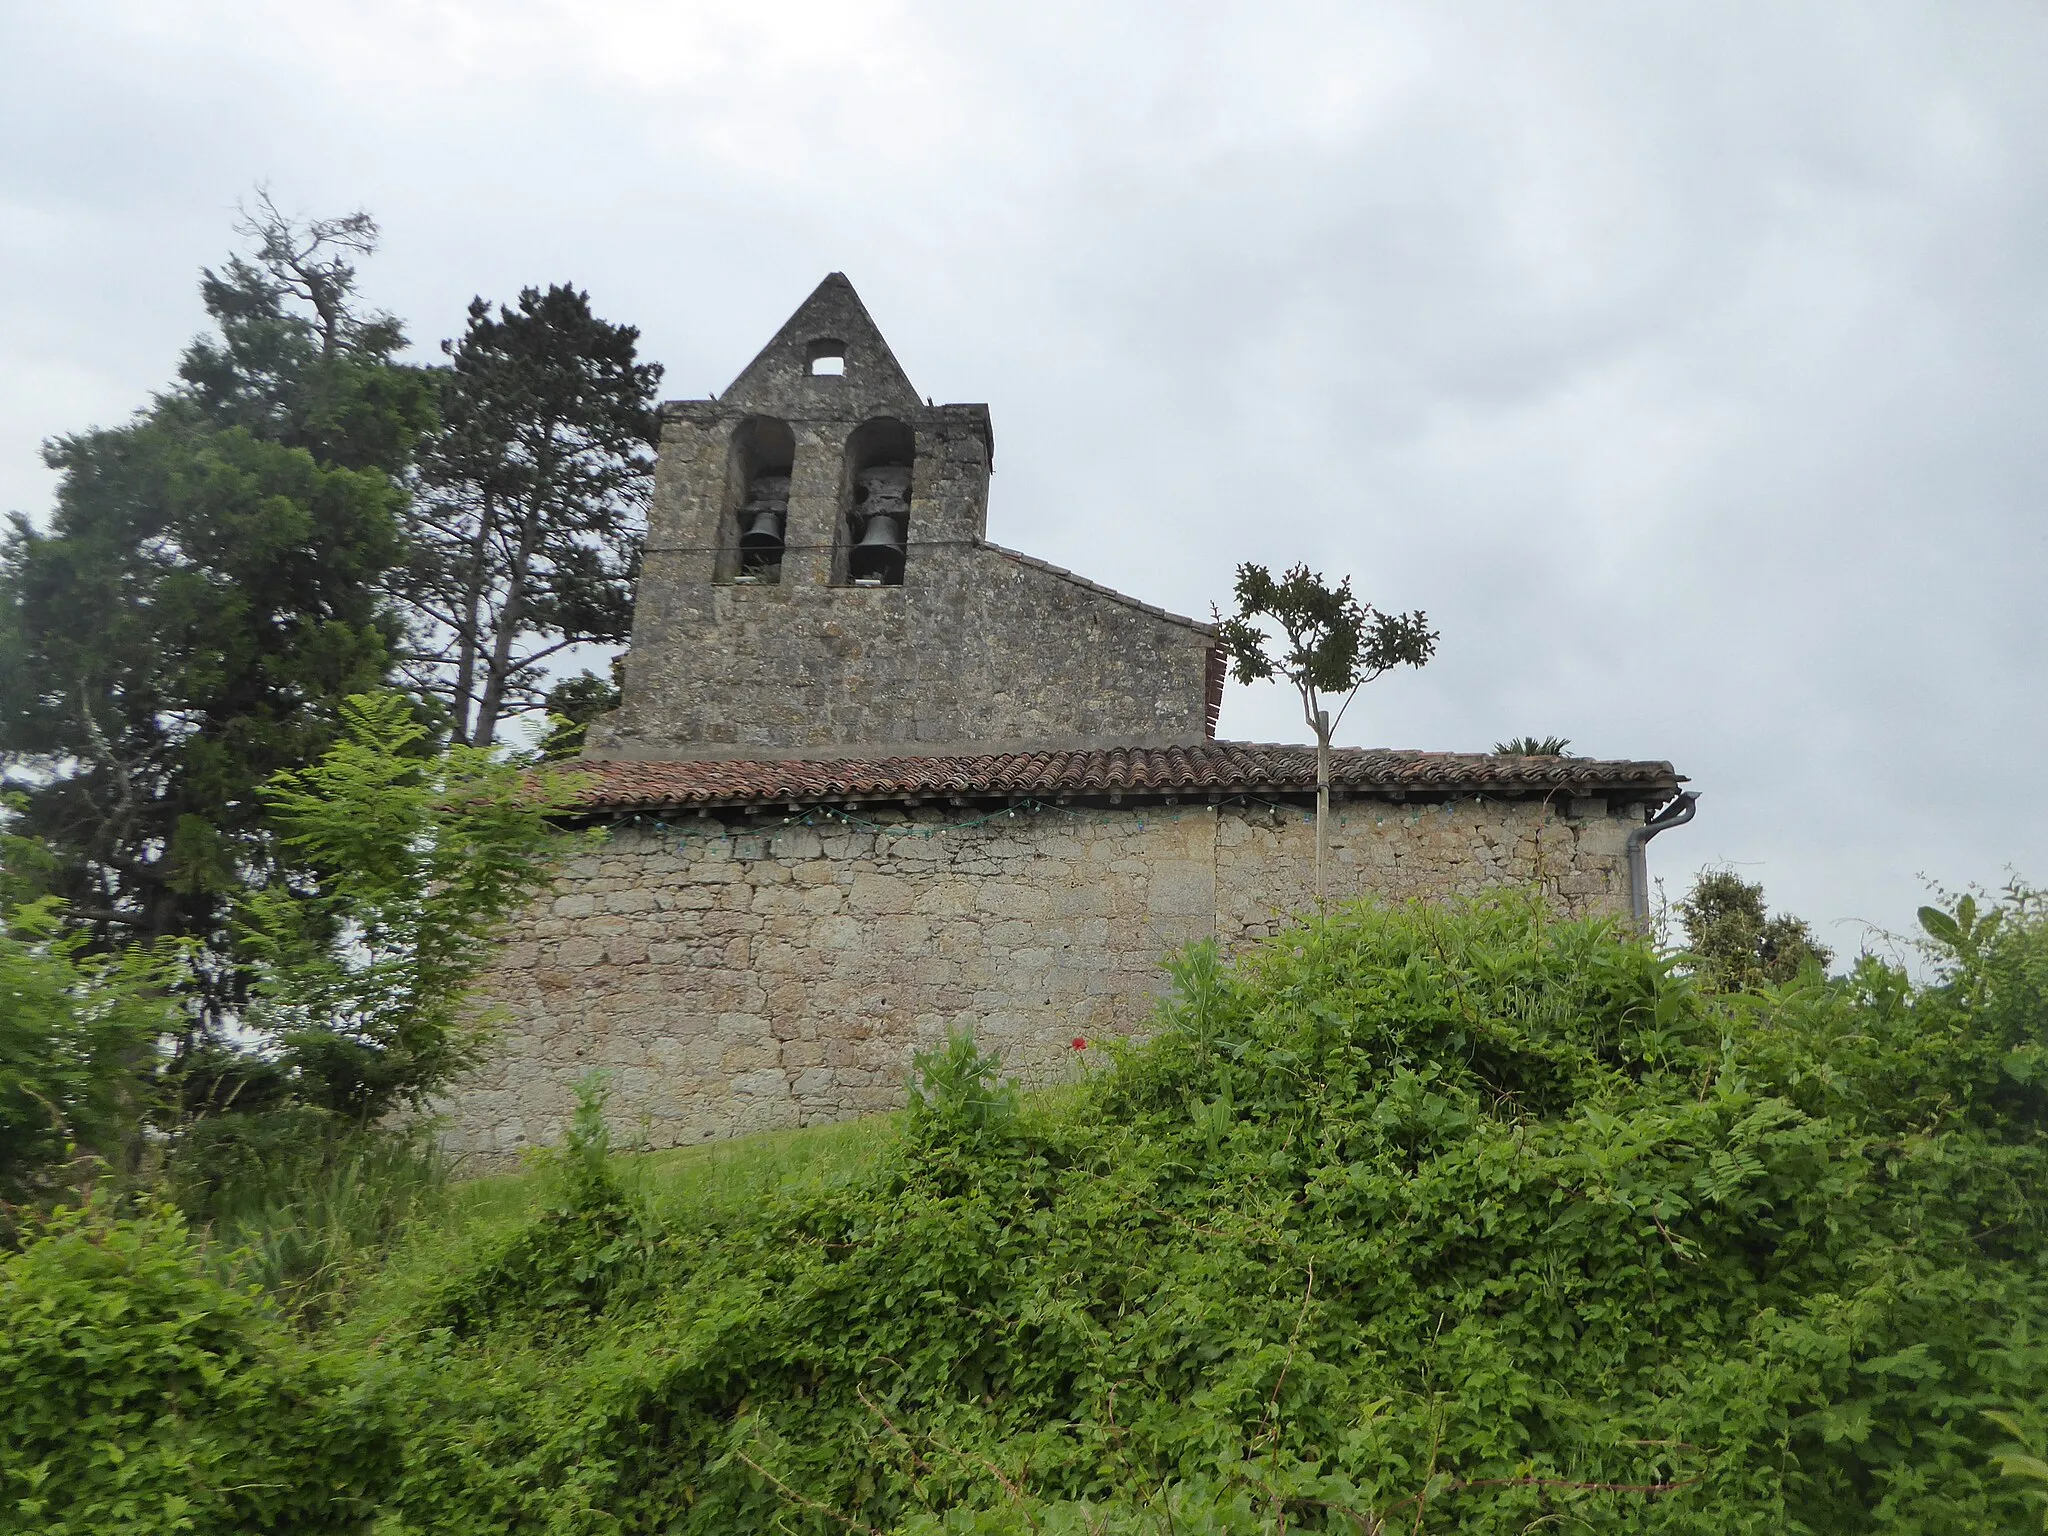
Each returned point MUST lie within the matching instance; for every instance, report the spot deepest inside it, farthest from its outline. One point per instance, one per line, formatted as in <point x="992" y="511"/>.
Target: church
<point x="874" y="778"/>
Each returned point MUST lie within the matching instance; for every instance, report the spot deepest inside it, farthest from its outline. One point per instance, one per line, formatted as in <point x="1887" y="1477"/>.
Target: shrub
<point x="1732" y="943"/>
<point x="592" y="1235"/>
<point x="304" y="1200"/>
<point x="77" y="1031"/>
<point x="957" y="1094"/>
<point x="139" y="1393"/>
<point x="363" y="980"/>
<point x="1413" y="1220"/>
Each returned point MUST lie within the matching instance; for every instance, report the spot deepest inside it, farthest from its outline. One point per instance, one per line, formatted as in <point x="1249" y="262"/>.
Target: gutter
<point x="1675" y="813"/>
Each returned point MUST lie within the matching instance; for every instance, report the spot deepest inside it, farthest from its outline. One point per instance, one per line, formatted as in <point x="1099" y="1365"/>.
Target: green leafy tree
<point x="206" y="592"/>
<point x="363" y="970"/>
<point x="1734" y="944"/>
<point x="1330" y="646"/>
<point x="78" y="1034"/>
<point x="297" y="360"/>
<point x="532" y="504"/>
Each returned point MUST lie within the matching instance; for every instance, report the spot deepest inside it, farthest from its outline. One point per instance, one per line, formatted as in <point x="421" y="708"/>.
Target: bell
<point x="762" y="542"/>
<point x="761" y="522"/>
<point x="877" y="560"/>
<point x="882" y="497"/>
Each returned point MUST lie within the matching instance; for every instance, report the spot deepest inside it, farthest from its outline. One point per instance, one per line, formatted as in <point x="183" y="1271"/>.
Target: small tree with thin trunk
<point x="1330" y="646"/>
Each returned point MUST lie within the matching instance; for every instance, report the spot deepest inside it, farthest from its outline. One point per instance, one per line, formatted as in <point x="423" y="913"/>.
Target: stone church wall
<point x="956" y="660"/>
<point x="731" y="979"/>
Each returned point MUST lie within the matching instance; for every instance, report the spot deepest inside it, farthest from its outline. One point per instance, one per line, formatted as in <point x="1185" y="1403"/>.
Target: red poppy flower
<point x="1080" y="1042"/>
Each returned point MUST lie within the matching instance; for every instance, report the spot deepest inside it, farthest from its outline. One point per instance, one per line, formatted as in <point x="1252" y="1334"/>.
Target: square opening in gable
<point x="828" y="358"/>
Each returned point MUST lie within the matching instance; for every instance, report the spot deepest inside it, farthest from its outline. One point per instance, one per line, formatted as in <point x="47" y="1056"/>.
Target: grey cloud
<point x="1684" y="362"/>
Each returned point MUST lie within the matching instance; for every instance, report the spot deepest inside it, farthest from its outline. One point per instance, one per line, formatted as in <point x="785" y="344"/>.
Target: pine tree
<point x="531" y="507"/>
<point x="207" y="591"/>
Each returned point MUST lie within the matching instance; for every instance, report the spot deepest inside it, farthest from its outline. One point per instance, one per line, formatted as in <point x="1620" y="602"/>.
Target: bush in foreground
<point x="139" y="1392"/>
<point x="1412" y="1220"/>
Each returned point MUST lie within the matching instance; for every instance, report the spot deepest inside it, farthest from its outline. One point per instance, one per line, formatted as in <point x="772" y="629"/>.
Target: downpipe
<point x="1675" y="813"/>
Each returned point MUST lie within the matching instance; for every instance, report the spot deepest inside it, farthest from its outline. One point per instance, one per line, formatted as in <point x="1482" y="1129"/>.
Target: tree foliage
<point x="298" y="361"/>
<point x="207" y="592"/>
<point x="573" y="703"/>
<point x="402" y="862"/>
<point x="532" y="503"/>
<point x="78" y="1035"/>
<point x="363" y="971"/>
<point x="1331" y="644"/>
<point x="1533" y="746"/>
<point x="1734" y="944"/>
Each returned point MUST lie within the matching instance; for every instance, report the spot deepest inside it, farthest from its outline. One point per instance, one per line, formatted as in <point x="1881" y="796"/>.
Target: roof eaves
<point x="1217" y="772"/>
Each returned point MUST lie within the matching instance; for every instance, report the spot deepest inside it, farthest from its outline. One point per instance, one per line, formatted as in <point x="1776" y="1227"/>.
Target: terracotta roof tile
<point x="1219" y="767"/>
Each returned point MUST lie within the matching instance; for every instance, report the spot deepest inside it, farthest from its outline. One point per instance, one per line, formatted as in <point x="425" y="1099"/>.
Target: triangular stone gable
<point x="781" y="373"/>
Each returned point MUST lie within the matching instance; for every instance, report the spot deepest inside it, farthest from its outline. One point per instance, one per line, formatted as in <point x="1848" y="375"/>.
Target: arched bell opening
<point x="874" y="523"/>
<point x="754" y="521"/>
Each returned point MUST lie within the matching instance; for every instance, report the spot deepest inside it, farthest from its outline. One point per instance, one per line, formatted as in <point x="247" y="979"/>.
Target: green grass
<point x="324" y="1215"/>
<point x="728" y="1176"/>
<point x="719" y="1177"/>
<point x="707" y="1179"/>
<point x="683" y="1186"/>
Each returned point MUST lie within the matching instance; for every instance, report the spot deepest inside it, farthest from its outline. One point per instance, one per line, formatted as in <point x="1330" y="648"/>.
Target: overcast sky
<point x="1688" y="364"/>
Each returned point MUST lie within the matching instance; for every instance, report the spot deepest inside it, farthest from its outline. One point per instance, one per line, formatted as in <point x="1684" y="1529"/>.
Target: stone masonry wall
<point x="979" y="649"/>
<point x="733" y="979"/>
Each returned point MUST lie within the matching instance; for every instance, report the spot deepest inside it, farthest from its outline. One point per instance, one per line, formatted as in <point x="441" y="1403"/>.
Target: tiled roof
<point x="1213" y="768"/>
